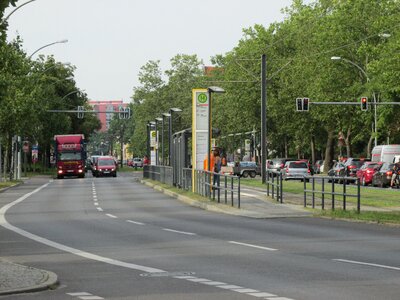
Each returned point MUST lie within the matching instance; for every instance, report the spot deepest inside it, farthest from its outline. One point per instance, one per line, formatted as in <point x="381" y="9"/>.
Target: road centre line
<point x="134" y="222"/>
<point x="366" y="264"/>
<point x="253" y="246"/>
<point x="177" y="231"/>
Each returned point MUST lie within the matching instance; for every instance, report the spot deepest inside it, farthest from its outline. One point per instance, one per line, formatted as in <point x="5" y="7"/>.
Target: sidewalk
<point x="16" y="278"/>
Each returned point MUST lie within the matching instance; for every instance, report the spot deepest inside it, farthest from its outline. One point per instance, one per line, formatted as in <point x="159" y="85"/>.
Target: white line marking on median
<point x="134" y="222"/>
<point x="111" y="216"/>
<point x="253" y="246"/>
<point x="367" y="264"/>
<point x="177" y="231"/>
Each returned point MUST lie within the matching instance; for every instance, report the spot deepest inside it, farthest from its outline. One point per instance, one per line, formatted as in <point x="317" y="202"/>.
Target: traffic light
<point x="299" y="104"/>
<point x="81" y="111"/>
<point x="364" y="103"/>
<point x="305" y="104"/>
<point x="302" y="104"/>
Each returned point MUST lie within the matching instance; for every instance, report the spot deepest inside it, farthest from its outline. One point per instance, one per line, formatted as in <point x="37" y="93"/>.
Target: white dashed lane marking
<point x="111" y="216"/>
<point x="367" y="264"/>
<point x="85" y="296"/>
<point x="134" y="222"/>
<point x="253" y="246"/>
<point x="177" y="231"/>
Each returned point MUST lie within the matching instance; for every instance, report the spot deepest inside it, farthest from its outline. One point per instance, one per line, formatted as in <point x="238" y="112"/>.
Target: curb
<point x="9" y="187"/>
<point x="210" y="206"/>
<point x="50" y="281"/>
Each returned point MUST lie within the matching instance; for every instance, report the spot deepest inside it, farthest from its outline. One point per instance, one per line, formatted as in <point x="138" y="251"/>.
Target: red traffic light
<point x="364" y="103"/>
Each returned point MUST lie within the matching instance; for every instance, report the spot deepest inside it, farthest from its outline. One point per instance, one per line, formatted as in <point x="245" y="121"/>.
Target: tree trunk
<point x="329" y="151"/>
<point x="312" y="150"/>
<point x="369" y="150"/>
<point x="286" y="148"/>
<point x="348" y="143"/>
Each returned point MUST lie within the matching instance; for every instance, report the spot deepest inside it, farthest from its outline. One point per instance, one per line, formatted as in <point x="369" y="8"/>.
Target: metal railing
<point x="274" y="185"/>
<point x="328" y="187"/>
<point x="186" y="179"/>
<point x="163" y="174"/>
<point x="212" y="185"/>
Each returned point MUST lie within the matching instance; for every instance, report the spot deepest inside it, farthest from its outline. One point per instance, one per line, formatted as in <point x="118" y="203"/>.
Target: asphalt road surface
<point x="114" y="238"/>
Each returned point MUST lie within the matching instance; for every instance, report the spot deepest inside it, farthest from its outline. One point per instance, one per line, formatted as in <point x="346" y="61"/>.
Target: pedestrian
<point x="146" y="160"/>
<point x="395" y="174"/>
<point x="217" y="167"/>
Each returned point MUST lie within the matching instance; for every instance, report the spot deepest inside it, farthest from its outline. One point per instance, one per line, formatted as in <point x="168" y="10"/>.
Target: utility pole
<point x="263" y="117"/>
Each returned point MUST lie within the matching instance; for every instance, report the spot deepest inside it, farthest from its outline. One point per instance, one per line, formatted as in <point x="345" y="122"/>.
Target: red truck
<point x="70" y="153"/>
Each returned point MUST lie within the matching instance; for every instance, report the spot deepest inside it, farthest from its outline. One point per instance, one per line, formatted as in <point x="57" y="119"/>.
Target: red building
<point x="105" y="110"/>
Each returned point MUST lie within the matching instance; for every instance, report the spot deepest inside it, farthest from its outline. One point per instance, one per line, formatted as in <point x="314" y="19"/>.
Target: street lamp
<point x="157" y="143"/>
<point x="71" y="93"/>
<point x="218" y="90"/>
<point x="47" y="45"/>
<point x="162" y="136"/>
<point x="170" y="141"/>
<point x="368" y="80"/>
<point x="9" y="15"/>
<point x="149" y="126"/>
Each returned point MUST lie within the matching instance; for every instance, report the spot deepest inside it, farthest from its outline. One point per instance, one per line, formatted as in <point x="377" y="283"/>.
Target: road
<point x="114" y="238"/>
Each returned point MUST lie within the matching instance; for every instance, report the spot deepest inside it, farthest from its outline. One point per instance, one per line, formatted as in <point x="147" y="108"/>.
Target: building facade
<point x="106" y="110"/>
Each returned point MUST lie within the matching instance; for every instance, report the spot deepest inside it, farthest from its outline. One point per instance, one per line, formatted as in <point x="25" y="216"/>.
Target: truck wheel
<point x="253" y="174"/>
<point x="245" y="174"/>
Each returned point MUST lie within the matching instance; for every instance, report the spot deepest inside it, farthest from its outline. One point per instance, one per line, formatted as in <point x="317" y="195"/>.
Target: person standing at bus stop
<point x="217" y="167"/>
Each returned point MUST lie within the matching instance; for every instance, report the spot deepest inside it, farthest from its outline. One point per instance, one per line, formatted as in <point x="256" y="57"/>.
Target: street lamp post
<point x="167" y="115"/>
<point x="170" y="141"/>
<point x="157" y="142"/>
<point x="374" y="95"/>
<point x="47" y="45"/>
<point x="211" y="89"/>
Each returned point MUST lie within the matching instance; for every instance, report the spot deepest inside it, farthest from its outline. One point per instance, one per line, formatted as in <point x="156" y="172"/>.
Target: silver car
<point x="295" y="170"/>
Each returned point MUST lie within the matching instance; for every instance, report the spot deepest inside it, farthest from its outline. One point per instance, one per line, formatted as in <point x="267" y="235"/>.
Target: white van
<point x="385" y="153"/>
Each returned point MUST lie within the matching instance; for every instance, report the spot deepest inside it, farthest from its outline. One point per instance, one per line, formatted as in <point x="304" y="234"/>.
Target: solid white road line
<point x="253" y="246"/>
<point x="177" y="231"/>
<point x="90" y="297"/>
<point x="134" y="222"/>
<point x="367" y="264"/>
<point x="79" y="294"/>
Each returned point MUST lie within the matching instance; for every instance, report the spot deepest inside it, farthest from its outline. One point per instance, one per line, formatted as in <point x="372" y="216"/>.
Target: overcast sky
<point x="108" y="41"/>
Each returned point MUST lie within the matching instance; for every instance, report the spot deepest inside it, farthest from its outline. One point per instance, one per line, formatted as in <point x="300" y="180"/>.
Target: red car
<point x="106" y="166"/>
<point x="367" y="171"/>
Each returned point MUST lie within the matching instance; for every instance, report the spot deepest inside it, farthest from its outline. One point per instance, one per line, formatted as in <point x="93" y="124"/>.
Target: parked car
<point x="367" y="171"/>
<point x="351" y="166"/>
<point x="317" y="166"/>
<point x="137" y="162"/>
<point x="383" y="177"/>
<point x="295" y="170"/>
<point x="106" y="166"/>
<point x="277" y="164"/>
<point x="337" y="167"/>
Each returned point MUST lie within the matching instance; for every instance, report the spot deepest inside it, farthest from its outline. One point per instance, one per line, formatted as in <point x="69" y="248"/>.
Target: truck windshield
<point x="64" y="156"/>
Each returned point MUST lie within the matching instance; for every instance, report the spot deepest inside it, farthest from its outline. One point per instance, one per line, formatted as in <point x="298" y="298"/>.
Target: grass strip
<point x="366" y="216"/>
